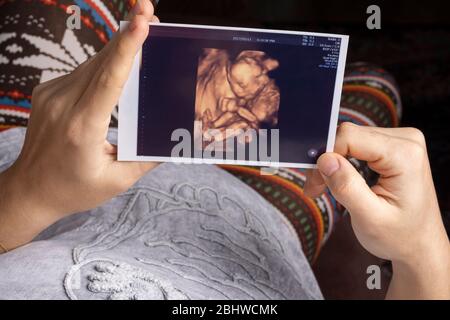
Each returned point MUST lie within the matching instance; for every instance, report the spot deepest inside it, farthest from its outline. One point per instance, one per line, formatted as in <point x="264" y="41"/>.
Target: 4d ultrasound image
<point x="242" y="94"/>
<point x="234" y="94"/>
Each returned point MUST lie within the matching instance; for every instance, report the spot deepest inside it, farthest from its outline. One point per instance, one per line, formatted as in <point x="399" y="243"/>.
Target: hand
<point x="398" y="219"/>
<point x="66" y="165"/>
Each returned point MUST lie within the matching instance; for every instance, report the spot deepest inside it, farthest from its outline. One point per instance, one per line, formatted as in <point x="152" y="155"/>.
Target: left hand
<point x="66" y="165"/>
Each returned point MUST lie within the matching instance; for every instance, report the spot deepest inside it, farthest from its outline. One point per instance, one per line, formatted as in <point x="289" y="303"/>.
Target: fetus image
<point x="234" y="94"/>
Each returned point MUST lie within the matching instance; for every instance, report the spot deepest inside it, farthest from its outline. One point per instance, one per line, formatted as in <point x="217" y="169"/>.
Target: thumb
<point x="346" y="184"/>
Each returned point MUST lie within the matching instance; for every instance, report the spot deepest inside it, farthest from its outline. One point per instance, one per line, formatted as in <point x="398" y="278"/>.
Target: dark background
<point x="413" y="44"/>
<point x="306" y="93"/>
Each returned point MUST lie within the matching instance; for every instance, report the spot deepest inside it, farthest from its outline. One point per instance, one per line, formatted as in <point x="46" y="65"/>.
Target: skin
<point x="67" y="166"/>
<point x="398" y="219"/>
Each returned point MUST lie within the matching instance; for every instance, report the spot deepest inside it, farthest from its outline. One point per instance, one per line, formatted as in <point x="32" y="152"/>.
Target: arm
<point x="425" y="277"/>
<point x="398" y="219"/>
<point x="66" y="165"/>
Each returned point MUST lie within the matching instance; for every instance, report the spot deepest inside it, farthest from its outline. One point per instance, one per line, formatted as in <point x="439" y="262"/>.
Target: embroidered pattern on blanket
<point x="210" y="256"/>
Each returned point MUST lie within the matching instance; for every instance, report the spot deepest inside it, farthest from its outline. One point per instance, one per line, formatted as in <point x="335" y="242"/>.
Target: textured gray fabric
<point x="182" y="232"/>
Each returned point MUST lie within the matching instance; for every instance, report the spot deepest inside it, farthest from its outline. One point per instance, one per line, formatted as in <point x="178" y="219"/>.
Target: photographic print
<point x="206" y="94"/>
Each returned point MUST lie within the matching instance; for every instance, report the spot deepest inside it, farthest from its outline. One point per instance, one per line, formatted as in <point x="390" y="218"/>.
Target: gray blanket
<point x="182" y="232"/>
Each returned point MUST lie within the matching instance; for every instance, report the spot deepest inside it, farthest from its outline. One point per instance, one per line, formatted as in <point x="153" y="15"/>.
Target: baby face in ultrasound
<point x="235" y="94"/>
<point x="246" y="78"/>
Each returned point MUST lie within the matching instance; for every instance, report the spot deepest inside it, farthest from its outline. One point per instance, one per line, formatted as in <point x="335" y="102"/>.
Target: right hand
<point x="397" y="219"/>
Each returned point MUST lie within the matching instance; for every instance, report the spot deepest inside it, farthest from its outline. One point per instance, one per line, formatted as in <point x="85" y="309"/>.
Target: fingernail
<point x="137" y="7"/>
<point x="328" y="165"/>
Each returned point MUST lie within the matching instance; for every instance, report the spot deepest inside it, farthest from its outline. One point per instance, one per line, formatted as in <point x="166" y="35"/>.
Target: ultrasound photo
<point x="222" y="95"/>
<point x="234" y="94"/>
